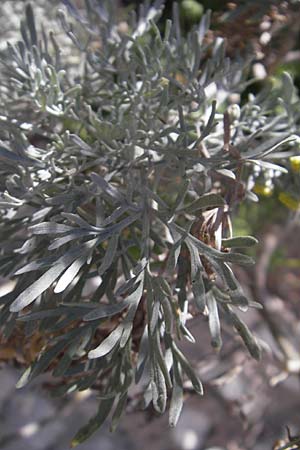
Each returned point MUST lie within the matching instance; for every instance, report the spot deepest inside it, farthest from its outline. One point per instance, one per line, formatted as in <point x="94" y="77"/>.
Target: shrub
<point x="122" y="163"/>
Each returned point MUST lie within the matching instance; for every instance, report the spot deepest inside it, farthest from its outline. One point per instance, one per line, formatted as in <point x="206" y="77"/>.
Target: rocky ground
<point x="29" y="418"/>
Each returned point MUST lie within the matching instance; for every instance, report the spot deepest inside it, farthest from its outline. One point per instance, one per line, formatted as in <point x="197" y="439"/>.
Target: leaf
<point x="128" y="325"/>
<point x="210" y="123"/>
<point x="24" y="379"/>
<point x="118" y="411"/>
<point x="75" y="234"/>
<point x="69" y="275"/>
<point x="14" y="158"/>
<point x="204" y="25"/>
<point x="108" y="344"/>
<point x="267" y="147"/>
<point x="27" y="246"/>
<point x="128" y="286"/>
<point x="226" y="173"/>
<point x="50" y="228"/>
<point x="154" y="316"/>
<point x="45" y="359"/>
<point x="212" y="253"/>
<point x="176" y="404"/>
<point x="186" y="366"/>
<point x="44" y="282"/>
<point x="157" y="198"/>
<point x="174" y="255"/>
<point x="66" y="360"/>
<point x="109" y="254"/>
<point x="158" y="355"/>
<point x="40" y="315"/>
<point x="105" y="311"/>
<point x="239" y="241"/>
<point x="159" y="389"/>
<point x="87" y="149"/>
<point x="107" y="187"/>
<point x="167" y="314"/>
<point x="242" y="329"/>
<point x="268" y="165"/>
<point x="182" y="191"/>
<point x="165" y="287"/>
<point x="40" y="285"/>
<point x="87" y="430"/>
<point x="205" y="201"/>
<point x="288" y="87"/>
<point x="117" y="227"/>
<point x="186" y="332"/>
<point x="80" y="221"/>
<point x="133" y="299"/>
<point x="182" y="280"/>
<point x="236" y="258"/>
<point x="143" y="355"/>
<point x="235" y="290"/>
<point x="36" y="265"/>
<point x="31" y="24"/>
<point x="198" y="287"/>
<point x="214" y="321"/>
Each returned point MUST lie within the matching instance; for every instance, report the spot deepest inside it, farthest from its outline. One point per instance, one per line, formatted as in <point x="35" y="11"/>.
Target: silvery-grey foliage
<point x="122" y="173"/>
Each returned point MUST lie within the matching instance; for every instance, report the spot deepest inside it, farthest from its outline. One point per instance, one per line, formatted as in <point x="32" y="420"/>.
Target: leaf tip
<point x="14" y="307"/>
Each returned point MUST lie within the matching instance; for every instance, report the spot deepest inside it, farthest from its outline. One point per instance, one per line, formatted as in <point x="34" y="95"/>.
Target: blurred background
<point x="247" y="404"/>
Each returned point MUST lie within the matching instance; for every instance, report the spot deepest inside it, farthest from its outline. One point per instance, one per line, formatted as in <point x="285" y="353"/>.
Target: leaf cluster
<point x="118" y="181"/>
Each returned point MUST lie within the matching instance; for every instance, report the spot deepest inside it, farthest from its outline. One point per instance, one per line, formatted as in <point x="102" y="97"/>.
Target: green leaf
<point x="118" y="411"/>
<point x="143" y="355"/>
<point x="208" y="127"/>
<point x="236" y="258"/>
<point x="109" y="254"/>
<point x="31" y="24"/>
<point x="106" y="187"/>
<point x="235" y="291"/>
<point x="214" y="321"/>
<point x="268" y="147"/>
<point x="40" y="285"/>
<point x="36" y="265"/>
<point x="42" y="363"/>
<point x="159" y="389"/>
<point x="107" y="344"/>
<point x="50" y="228"/>
<point x="198" y="287"/>
<point x="45" y="281"/>
<point x="40" y="315"/>
<point x="25" y="378"/>
<point x="182" y="191"/>
<point x="76" y="234"/>
<point x="186" y="333"/>
<point x="87" y="430"/>
<point x="242" y="329"/>
<point x="205" y="201"/>
<point x="66" y="360"/>
<point x="288" y="87"/>
<point x="212" y="253"/>
<point x="80" y="221"/>
<point x="158" y="355"/>
<point x="69" y="275"/>
<point x="268" y="165"/>
<point x="176" y="404"/>
<point x="174" y="255"/>
<point x="187" y="368"/>
<point x="103" y="311"/>
<point x="239" y="241"/>
<point x="133" y="299"/>
<point x="168" y="314"/>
